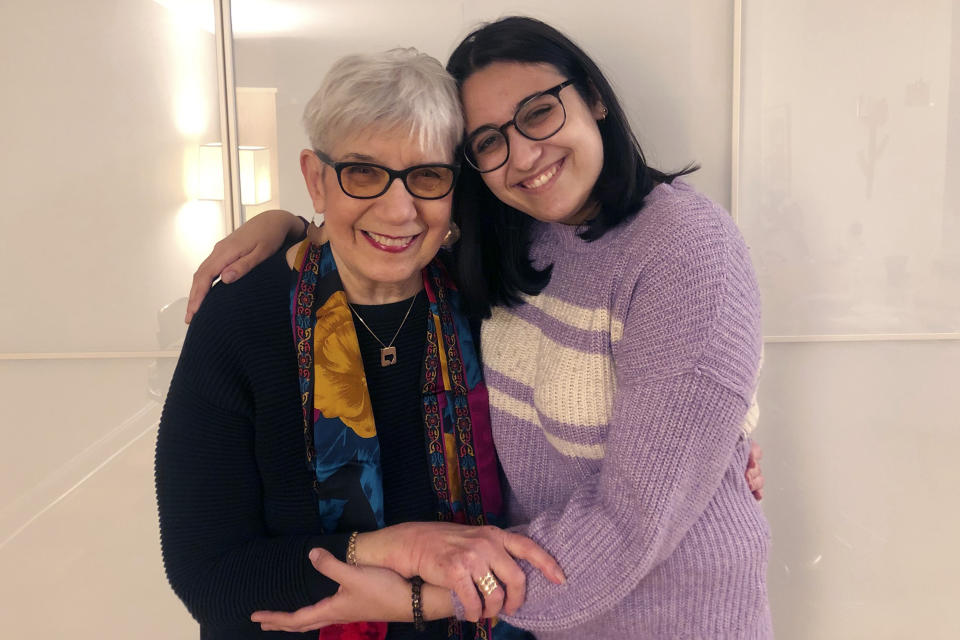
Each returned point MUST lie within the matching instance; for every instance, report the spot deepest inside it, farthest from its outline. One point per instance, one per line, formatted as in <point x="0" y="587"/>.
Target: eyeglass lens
<point x="368" y="181"/>
<point x="538" y="119"/>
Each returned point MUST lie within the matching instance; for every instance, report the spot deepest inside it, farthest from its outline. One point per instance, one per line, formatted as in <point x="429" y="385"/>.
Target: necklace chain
<point x="388" y="353"/>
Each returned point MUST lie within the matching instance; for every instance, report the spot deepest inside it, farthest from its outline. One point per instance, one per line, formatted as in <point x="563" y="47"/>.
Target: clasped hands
<point x="449" y="557"/>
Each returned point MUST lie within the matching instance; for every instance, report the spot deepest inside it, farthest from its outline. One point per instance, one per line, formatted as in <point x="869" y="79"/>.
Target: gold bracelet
<point x="352" y="549"/>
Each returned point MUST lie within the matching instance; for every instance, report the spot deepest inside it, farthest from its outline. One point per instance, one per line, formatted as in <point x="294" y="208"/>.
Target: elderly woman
<point x="332" y="405"/>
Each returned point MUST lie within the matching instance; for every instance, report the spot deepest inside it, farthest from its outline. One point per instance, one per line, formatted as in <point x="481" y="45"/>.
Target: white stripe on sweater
<point x="572" y="387"/>
<point x="523" y="411"/>
<point x="583" y="318"/>
<point x="561" y="375"/>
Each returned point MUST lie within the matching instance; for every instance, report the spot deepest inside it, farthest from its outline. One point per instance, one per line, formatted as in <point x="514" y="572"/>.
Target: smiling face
<point x="550" y="180"/>
<point x="380" y="244"/>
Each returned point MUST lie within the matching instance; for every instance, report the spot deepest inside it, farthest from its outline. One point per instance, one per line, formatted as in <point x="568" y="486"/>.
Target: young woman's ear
<point x="597" y="108"/>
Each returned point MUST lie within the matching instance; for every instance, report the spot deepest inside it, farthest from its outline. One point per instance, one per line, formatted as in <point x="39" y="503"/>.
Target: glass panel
<point x="860" y="462"/>
<point x="851" y="206"/>
<point x="106" y="107"/>
<point x="282" y="53"/>
<point x="851" y="148"/>
<point x="101" y="172"/>
<point x="675" y="88"/>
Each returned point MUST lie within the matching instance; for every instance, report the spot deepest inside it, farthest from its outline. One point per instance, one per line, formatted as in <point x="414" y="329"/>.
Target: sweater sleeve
<point x="686" y="366"/>
<point x="291" y="240"/>
<point x="219" y="556"/>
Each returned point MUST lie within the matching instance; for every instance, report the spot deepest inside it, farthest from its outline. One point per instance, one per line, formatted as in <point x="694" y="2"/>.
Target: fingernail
<point x="314" y="554"/>
<point x="228" y="276"/>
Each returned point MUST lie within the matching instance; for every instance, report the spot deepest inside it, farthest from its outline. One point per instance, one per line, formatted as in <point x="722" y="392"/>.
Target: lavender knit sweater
<point x="617" y="397"/>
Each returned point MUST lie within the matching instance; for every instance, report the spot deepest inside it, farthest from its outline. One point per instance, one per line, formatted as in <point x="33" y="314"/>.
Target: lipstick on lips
<point x="390" y="244"/>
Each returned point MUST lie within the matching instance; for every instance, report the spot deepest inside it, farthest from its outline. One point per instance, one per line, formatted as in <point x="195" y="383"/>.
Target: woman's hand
<point x="754" y="473"/>
<point x="457" y="556"/>
<point x="234" y="256"/>
<point x="365" y="594"/>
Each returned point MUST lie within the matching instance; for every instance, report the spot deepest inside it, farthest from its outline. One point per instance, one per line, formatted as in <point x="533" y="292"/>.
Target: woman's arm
<point x="224" y="565"/>
<point x="233" y="257"/>
<point x="219" y="557"/>
<point x="685" y="370"/>
<point x="628" y="518"/>
<point x="365" y="593"/>
<point x="754" y="473"/>
<point x="456" y="556"/>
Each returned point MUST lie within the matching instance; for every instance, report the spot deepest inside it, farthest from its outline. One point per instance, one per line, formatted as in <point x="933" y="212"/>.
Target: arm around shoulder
<point x="238" y="253"/>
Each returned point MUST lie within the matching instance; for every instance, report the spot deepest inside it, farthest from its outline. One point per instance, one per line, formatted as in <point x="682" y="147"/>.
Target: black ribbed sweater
<point x="238" y="514"/>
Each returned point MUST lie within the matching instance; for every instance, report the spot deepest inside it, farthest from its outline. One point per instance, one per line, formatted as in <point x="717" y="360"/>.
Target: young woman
<point x="620" y="345"/>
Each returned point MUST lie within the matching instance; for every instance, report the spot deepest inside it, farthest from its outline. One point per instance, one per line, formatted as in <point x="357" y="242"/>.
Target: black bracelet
<point x="416" y="583"/>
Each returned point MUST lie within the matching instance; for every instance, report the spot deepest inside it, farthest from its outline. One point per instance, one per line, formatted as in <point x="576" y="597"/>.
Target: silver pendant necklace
<point x="388" y="352"/>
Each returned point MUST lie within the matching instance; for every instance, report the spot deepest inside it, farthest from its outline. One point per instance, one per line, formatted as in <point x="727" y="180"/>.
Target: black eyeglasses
<point x="537" y="118"/>
<point x="365" y="180"/>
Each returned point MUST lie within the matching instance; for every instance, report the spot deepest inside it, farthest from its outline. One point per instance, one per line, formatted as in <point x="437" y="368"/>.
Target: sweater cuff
<point x="289" y="241"/>
<point x="458" y="610"/>
<point x="320" y="586"/>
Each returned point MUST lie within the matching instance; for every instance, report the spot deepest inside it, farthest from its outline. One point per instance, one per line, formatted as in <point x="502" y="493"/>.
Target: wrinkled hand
<point x="456" y="557"/>
<point x="365" y="594"/>
<point x="238" y="253"/>
<point x="754" y="473"/>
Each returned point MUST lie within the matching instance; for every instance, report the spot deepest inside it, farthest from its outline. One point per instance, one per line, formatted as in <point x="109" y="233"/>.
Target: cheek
<point x="494" y="181"/>
<point x="438" y="212"/>
<point x="436" y="216"/>
<point x="342" y="216"/>
<point x="598" y="151"/>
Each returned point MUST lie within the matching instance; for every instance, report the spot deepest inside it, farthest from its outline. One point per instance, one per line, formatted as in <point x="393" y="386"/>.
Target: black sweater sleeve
<point x="237" y="514"/>
<point x="290" y="241"/>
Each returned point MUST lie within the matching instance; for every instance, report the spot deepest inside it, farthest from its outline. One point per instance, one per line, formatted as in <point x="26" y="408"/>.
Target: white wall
<point x="104" y="105"/>
<point x="860" y="447"/>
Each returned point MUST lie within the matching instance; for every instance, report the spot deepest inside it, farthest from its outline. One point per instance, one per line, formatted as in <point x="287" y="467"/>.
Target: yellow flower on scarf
<point x="340" y="389"/>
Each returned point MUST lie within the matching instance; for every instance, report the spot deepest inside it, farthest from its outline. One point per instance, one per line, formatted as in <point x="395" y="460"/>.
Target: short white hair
<point x="399" y="88"/>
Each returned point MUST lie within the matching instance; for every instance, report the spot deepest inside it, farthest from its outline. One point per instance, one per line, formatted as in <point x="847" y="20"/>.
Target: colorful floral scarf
<point x="339" y="433"/>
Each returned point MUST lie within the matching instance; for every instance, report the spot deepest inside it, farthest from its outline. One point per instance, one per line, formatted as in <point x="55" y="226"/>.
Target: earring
<point x="453" y="234"/>
<point x="319" y="218"/>
<point x="603" y="112"/>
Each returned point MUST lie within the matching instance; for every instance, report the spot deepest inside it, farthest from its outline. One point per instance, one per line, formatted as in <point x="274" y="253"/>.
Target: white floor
<point x="89" y="568"/>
